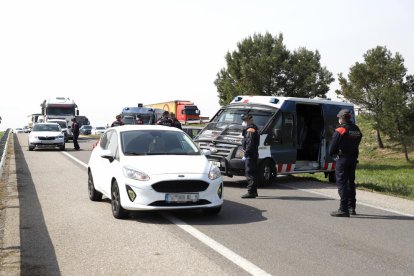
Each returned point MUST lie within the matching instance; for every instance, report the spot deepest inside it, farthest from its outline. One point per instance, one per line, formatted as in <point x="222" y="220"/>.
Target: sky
<point x="107" y="55"/>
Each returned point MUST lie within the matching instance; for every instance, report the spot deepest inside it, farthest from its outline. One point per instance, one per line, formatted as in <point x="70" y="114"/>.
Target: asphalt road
<point x="283" y="232"/>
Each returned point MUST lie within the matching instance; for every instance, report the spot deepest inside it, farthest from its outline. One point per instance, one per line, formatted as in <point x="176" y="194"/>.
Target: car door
<point x="112" y="168"/>
<point x="98" y="164"/>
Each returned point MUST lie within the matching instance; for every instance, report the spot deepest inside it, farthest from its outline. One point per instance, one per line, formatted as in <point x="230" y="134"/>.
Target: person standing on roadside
<point x="250" y="145"/>
<point x="75" y="131"/>
<point x="175" y="121"/>
<point x="118" y="121"/>
<point x="345" y="148"/>
<point x="165" y="120"/>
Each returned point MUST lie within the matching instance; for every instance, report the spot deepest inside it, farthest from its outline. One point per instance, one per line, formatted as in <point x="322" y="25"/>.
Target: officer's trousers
<point x="345" y="180"/>
<point x="251" y="174"/>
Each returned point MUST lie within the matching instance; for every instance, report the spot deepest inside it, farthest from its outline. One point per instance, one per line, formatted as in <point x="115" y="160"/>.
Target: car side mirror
<point x="206" y="152"/>
<point x="107" y="154"/>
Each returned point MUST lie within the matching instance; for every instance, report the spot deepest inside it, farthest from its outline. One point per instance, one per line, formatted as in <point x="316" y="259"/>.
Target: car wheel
<point x="31" y="148"/>
<point x="62" y="147"/>
<point x="212" y="211"/>
<point x="117" y="210"/>
<point x="267" y="173"/>
<point x="94" y="195"/>
<point x="332" y="177"/>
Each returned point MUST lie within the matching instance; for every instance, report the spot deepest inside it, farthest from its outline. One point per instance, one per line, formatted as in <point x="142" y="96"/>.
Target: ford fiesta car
<point x="46" y="135"/>
<point x="147" y="167"/>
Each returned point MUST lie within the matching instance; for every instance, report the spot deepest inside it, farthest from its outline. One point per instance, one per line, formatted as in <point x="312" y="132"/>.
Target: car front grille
<point x="46" y="138"/>
<point x="220" y="149"/>
<point x="180" y="186"/>
<point x="163" y="203"/>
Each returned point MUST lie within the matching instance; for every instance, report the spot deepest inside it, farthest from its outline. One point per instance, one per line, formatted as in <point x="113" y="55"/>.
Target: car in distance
<point x="63" y="125"/>
<point x="99" y="130"/>
<point x="85" y="130"/>
<point x="151" y="167"/>
<point x="46" y="135"/>
<point x="18" y="130"/>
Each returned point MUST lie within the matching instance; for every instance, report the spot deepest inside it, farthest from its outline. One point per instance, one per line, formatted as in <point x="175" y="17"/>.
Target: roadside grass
<point x="1" y="134"/>
<point x="381" y="170"/>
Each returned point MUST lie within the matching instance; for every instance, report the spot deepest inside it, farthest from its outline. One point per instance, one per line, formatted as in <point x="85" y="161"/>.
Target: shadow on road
<point x="37" y="252"/>
<point x="367" y="216"/>
<point x="300" y="198"/>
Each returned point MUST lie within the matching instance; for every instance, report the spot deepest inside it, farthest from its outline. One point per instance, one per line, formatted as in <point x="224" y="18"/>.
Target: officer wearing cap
<point x="251" y="154"/>
<point x="118" y="121"/>
<point x="345" y="148"/>
<point x="165" y="119"/>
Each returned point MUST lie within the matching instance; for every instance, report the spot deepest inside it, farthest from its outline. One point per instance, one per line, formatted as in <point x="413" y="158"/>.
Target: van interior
<point x="310" y="127"/>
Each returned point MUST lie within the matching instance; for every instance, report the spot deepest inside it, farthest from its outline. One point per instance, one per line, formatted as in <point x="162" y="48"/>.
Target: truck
<point x="295" y="134"/>
<point x="148" y="115"/>
<point x="185" y="111"/>
<point x="32" y="119"/>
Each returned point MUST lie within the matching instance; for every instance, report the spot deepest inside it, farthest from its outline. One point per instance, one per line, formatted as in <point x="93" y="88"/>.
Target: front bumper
<point x="149" y="199"/>
<point x="57" y="142"/>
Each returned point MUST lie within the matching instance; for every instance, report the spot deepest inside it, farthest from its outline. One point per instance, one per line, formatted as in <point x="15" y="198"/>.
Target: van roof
<point x="277" y="102"/>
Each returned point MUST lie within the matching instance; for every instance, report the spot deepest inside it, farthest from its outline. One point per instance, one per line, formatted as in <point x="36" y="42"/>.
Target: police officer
<point x="75" y="131"/>
<point x="345" y="148"/>
<point x="118" y="121"/>
<point x="175" y="121"/>
<point x="165" y="120"/>
<point x="251" y="154"/>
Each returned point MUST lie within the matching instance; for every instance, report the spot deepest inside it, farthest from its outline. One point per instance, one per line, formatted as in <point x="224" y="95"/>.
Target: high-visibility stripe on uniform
<point x="329" y="166"/>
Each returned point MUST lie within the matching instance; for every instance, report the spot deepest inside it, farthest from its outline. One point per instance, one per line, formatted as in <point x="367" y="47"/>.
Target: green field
<point x="1" y="134"/>
<point x="381" y="170"/>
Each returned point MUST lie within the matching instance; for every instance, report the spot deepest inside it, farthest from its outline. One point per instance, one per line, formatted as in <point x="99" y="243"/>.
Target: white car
<point x="151" y="167"/>
<point x="63" y="126"/>
<point x="46" y="135"/>
<point x="18" y="130"/>
<point x="98" y="130"/>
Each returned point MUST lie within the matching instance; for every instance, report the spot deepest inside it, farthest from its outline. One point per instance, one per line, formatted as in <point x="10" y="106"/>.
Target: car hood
<point x="169" y="164"/>
<point x="45" y="133"/>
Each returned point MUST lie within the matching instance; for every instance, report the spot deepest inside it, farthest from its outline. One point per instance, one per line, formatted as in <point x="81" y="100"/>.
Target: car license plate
<point x="181" y="197"/>
<point x="217" y="163"/>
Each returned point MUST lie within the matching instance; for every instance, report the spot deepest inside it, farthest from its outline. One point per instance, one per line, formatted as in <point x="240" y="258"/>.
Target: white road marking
<point x="359" y="202"/>
<point x="219" y="248"/>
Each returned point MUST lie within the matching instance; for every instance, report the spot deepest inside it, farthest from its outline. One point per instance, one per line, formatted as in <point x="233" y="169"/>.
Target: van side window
<point x="287" y="130"/>
<point x="275" y="134"/>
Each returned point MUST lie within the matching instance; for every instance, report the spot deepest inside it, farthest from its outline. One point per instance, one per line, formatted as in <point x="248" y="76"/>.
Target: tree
<point x="398" y="116"/>
<point x="262" y="65"/>
<point x="370" y="82"/>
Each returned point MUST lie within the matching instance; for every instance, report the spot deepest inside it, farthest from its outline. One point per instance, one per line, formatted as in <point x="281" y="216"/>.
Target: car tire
<point x="62" y="147"/>
<point x="212" y="211"/>
<point x="31" y="148"/>
<point x="267" y="173"/>
<point x="117" y="210"/>
<point x="94" y="195"/>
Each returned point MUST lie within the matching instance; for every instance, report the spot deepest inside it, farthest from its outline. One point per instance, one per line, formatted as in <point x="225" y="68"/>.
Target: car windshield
<point x="62" y="124"/>
<point x="100" y="128"/>
<point x="46" y="127"/>
<point x="227" y="125"/>
<point x="87" y="127"/>
<point x="157" y="142"/>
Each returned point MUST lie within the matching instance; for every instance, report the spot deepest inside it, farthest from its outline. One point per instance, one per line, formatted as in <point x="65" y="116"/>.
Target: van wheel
<point x="117" y="210"/>
<point x="267" y="173"/>
<point x="331" y="177"/>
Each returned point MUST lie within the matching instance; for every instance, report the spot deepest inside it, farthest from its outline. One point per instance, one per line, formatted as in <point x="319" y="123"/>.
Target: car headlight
<point x="239" y="153"/>
<point x="214" y="172"/>
<point x="134" y="174"/>
<point x="61" y="136"/>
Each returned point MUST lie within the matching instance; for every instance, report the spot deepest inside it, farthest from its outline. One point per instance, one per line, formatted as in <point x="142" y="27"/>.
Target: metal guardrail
<point x="3" y="148"/>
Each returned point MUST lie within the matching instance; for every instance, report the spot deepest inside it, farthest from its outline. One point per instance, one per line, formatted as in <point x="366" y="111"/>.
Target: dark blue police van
<point x="294" y="135"/>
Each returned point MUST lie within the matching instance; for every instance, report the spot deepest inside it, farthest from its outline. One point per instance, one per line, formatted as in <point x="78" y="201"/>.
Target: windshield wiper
<point x="135" y="153"/>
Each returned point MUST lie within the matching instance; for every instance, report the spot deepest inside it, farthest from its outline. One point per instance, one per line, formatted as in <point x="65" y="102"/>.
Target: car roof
<point x="124" y="128"/>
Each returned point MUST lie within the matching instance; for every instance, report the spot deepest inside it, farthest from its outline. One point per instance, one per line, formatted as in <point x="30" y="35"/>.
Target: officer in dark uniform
<point x="75" y="131"/>
<point x="165" y="120"/>
<point x="251" y="154"/>
<point x="118" y="121"/>
<point x="345" y="148"/>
